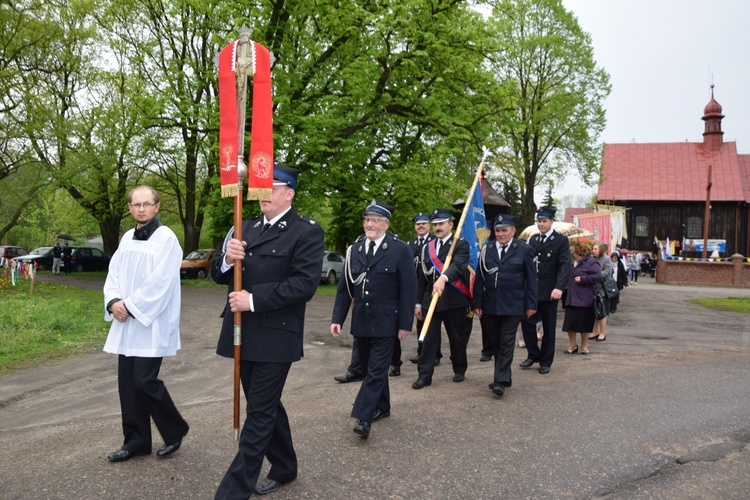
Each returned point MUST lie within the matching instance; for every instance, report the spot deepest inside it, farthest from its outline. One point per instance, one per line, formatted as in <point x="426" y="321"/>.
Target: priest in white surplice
<point x="142" y="299"/>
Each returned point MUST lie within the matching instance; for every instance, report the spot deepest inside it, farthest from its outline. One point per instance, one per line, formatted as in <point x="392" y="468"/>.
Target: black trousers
<point x="501" y="331"/>
<point x="547" y="312"/>
<point x="375" y="355"/>
<point x="487" y="348"/>
<point x="355" y="365"/>
<point x="458" y="325"/>
<point x="266" y="432"/>
<point x="143" y="397"/>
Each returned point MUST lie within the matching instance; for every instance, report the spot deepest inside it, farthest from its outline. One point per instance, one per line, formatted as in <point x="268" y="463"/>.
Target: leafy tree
<point x="548" y="200"/>
<point x="545" y="63"/>
<point x="377" y="100"/>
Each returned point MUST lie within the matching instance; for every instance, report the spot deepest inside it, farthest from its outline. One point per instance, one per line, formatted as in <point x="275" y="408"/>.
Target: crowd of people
<point x="387" y="283"/>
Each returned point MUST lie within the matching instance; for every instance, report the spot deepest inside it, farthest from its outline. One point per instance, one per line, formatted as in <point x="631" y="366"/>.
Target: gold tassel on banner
<point x="261" y="194"/>
<point x="229" y="190"/>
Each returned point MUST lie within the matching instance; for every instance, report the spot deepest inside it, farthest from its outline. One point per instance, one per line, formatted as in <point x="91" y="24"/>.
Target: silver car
<point x="333" y="267"/>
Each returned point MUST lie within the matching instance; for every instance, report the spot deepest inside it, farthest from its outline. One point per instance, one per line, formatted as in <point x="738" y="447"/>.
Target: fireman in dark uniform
<point x="422" y="227"/>
<point x="379" y="279"/>
<point x="552" y="251"/>
<point x="453" y="309"/>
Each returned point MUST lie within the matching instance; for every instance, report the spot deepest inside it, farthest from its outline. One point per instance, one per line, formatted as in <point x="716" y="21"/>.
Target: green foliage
<point x="387" y="100"/>
<point x="545" y="64"/>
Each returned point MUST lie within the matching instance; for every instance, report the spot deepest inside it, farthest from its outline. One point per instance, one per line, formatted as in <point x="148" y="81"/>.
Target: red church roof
<point x="673" y="172"/>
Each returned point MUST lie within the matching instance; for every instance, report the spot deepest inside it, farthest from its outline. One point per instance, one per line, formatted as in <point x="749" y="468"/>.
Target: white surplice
<point x="146" y="274"/>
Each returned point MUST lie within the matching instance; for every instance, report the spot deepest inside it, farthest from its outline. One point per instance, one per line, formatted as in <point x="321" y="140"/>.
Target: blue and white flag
<point x="475" y="230"/>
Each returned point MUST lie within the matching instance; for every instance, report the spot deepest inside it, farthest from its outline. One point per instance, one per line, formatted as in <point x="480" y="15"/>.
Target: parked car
<point x="197" y="264"/>
<point x="42" y="256"/>
<point x="81" y="259"/>
<point x="9" y="252"/>
<point x="333" y="267"/>
<point x="88" y="259"/>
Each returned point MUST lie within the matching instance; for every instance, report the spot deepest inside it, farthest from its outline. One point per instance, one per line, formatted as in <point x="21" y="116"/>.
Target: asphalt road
<point x="659" y="410"/>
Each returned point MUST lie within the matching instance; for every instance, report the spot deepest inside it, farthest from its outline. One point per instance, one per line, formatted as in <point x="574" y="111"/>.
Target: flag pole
<point x="449" y="257"/>
<point x="244" y="61"/>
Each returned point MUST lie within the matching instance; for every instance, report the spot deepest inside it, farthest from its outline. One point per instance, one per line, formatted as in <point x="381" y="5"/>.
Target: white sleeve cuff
<point x="224" y="266"/>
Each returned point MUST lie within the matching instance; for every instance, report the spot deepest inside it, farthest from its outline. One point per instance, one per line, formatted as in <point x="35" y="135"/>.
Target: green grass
<point x="55" y="322"/>
<point x="58" y="321"/>
<point x="733" y="304"/>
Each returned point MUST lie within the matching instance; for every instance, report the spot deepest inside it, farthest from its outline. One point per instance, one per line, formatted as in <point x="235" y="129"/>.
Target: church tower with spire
<point x="713" y="137"/>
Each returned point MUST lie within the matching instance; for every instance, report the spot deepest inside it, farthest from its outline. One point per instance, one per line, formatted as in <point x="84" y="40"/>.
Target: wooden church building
<point x="664" y="188"/>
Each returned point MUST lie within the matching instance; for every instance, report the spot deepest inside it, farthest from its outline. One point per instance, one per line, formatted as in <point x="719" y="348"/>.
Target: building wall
<point x="705" y="273"/>
<point x="729" y="221"/>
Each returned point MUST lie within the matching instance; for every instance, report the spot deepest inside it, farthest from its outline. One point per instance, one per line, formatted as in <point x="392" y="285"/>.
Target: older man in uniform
<point x="552" y="251"/>
<point x="452" y="309"/>
<point x="282" y="257"/>
<point x="379" y="278"/>
<point x="505" y="291"/>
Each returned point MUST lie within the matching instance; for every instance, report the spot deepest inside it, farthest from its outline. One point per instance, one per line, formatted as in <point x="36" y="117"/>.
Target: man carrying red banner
<point x="453" y="307"/>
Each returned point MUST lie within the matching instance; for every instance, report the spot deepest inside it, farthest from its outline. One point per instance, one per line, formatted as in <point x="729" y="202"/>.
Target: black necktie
<point x="266" y="227"/>
<point x="370" y="252"/>
<point x="544" y="238"/>
<point x="502" y="252"/>
<point x="437" y="247"/>
<point x="421" y="241"/>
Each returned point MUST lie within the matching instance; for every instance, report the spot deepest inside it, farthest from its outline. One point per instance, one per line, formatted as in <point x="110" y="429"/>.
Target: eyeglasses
<point x="373" y="220"/>
<point x="138" y="206"/>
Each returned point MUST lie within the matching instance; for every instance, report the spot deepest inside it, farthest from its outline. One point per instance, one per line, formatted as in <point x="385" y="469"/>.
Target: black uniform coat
<point x="458" y="269"/>
<point x="385" y="296"/>
<point x="553" y="263"/>
<point x="507" y="287"/>
<point x="282" y="270"/>
<point x="416" y="248"/>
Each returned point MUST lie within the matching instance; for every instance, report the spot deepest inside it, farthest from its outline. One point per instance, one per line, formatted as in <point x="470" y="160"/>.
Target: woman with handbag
<point x="579" y="301"/>
<point x="599" y="252"/>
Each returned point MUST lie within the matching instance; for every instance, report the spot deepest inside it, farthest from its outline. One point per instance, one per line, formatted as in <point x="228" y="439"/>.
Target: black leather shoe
<point x="458" y="377"/>
<point x="527" y="363"/>
<point x="168" y="449"/>
<point x="420" y="383"/>
<point x="362" y="428"/>
<point x="395" y="371"/>
<point x="268" y="485"/>
<point x="347" y="377"/>
<point x="122" y="455"/>
<point x="544" y="370"/>
<point x="380" y="414"/>
<point x="485" y="358"/>
<point x="414" y="359"/>
<point x="498" y="390"/>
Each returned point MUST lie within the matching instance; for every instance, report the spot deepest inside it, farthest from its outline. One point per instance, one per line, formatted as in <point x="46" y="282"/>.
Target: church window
<point x="694" y="228"/>
<point x="641" y="226"/>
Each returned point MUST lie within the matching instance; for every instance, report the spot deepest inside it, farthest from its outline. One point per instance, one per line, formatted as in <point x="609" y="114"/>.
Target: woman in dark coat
<point x="599" y="252"/>
<point x="621" y="276"/>
<point x="579" y="301"/>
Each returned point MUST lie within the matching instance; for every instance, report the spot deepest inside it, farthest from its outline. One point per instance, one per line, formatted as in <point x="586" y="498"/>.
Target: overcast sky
<point x="662" y="56"/>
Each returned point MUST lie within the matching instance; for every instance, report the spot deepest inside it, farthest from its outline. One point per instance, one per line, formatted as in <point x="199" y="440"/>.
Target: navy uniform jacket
<point x="282" y="270"/>
<point x="384" y="293"/>
<point x="416" y="248"/>
<point x="507" y="287"/>
<point x="553" y="263"/>
<point x="459" y="269"/>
